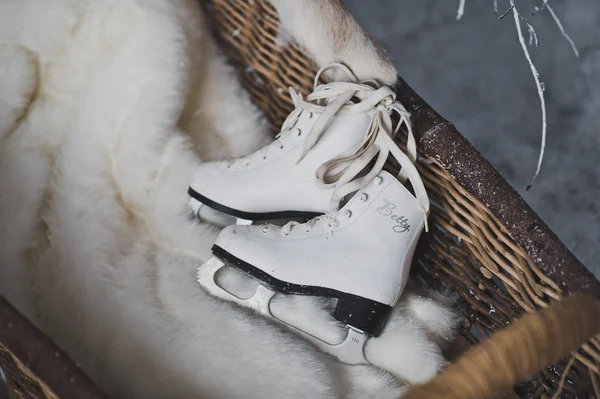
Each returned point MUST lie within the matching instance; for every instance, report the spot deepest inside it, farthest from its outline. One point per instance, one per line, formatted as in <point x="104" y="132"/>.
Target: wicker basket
<point x="34" y="367"/>
<point x="485" y="242"/>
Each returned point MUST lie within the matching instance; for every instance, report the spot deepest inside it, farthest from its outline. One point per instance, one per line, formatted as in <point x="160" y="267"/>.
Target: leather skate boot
<point x="360" y="253"/>
<point x="299" y="175"/>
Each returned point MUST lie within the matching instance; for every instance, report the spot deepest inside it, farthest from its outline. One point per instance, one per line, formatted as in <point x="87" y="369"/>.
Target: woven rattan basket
<point x="485" y="242"/>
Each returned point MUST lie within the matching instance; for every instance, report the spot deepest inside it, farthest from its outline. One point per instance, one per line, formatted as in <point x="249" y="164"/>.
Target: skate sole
<point x="366" y="315"/>
<point x="254" y="216"/>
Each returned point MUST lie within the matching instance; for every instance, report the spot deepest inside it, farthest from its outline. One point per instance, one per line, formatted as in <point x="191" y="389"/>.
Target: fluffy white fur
<point x="106" y="107"/>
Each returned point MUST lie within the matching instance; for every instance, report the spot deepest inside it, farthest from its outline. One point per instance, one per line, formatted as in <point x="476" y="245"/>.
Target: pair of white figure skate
<point x="326" y="166"/>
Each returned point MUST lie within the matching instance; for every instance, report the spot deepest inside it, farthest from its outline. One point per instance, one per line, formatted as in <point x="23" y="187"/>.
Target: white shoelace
<point x="336" y="96"/>
<point x="341" y="172"/>
<point x="285" y="230"/>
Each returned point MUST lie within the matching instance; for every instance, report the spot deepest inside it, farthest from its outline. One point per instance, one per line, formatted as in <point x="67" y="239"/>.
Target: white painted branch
<point x="532" y="34"/>
<point x="562" y="29"/>
<point x="539" y="86"/>
<point x="461" y="10"/>
<point x="532" y="37"/>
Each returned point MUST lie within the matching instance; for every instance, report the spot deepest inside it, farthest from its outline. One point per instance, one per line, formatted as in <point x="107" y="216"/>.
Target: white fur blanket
<point x="106" y="107"/>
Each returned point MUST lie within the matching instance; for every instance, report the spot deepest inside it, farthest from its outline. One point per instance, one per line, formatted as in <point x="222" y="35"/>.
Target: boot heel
<point x="363" y="314"/>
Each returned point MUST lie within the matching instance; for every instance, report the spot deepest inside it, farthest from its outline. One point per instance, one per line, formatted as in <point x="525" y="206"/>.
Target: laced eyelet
<point x="348" y="213"/>
<point x="364" y="197"/>
<point x="378" y="180"/>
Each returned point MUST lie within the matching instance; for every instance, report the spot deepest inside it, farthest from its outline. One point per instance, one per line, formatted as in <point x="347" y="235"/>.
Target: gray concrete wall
<point x="473" y="72"/>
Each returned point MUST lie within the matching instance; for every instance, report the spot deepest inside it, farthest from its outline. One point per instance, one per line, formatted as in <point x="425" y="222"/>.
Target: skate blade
<point x="350" y="351"/>
<point x="209" y="215"/>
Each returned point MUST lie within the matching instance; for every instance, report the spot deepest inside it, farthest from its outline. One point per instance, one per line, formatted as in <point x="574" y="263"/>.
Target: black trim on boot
<point x="254" y="216"/>
<point x="360" y="313"/>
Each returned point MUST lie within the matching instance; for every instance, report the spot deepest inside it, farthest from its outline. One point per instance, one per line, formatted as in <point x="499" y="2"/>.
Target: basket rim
<point x="42" y="358"/>
<point x="439" y="139"/>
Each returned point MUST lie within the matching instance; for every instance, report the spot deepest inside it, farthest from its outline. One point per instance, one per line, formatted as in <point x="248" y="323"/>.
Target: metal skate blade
<point x="259" y="302"/>
<point x="209" y="215"/>
<point x="350" y="351"/>
<point x="194" y="205"/>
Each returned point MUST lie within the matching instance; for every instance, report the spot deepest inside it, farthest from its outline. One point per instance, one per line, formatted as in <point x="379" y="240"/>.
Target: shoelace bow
<point x="341" y="172"/>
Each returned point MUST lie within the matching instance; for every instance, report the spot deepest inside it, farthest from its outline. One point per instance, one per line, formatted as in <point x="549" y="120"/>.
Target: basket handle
<point x="519" y="351"/>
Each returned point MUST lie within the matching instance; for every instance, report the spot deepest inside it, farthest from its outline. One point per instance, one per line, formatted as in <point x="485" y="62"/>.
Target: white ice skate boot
<point x="360" y="253"/>
<point x="318" y="140"/>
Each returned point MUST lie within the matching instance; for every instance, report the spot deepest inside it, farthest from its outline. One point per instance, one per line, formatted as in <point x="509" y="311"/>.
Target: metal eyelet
<point x="364" y="197"/>
<point x="281" y="147"/>
<point x="299" y="132"/>
<point x="348" y="213"/>
<point x="378" y="180"/>
<point x="310" y="115"/>
<point x="264" y="157"/>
